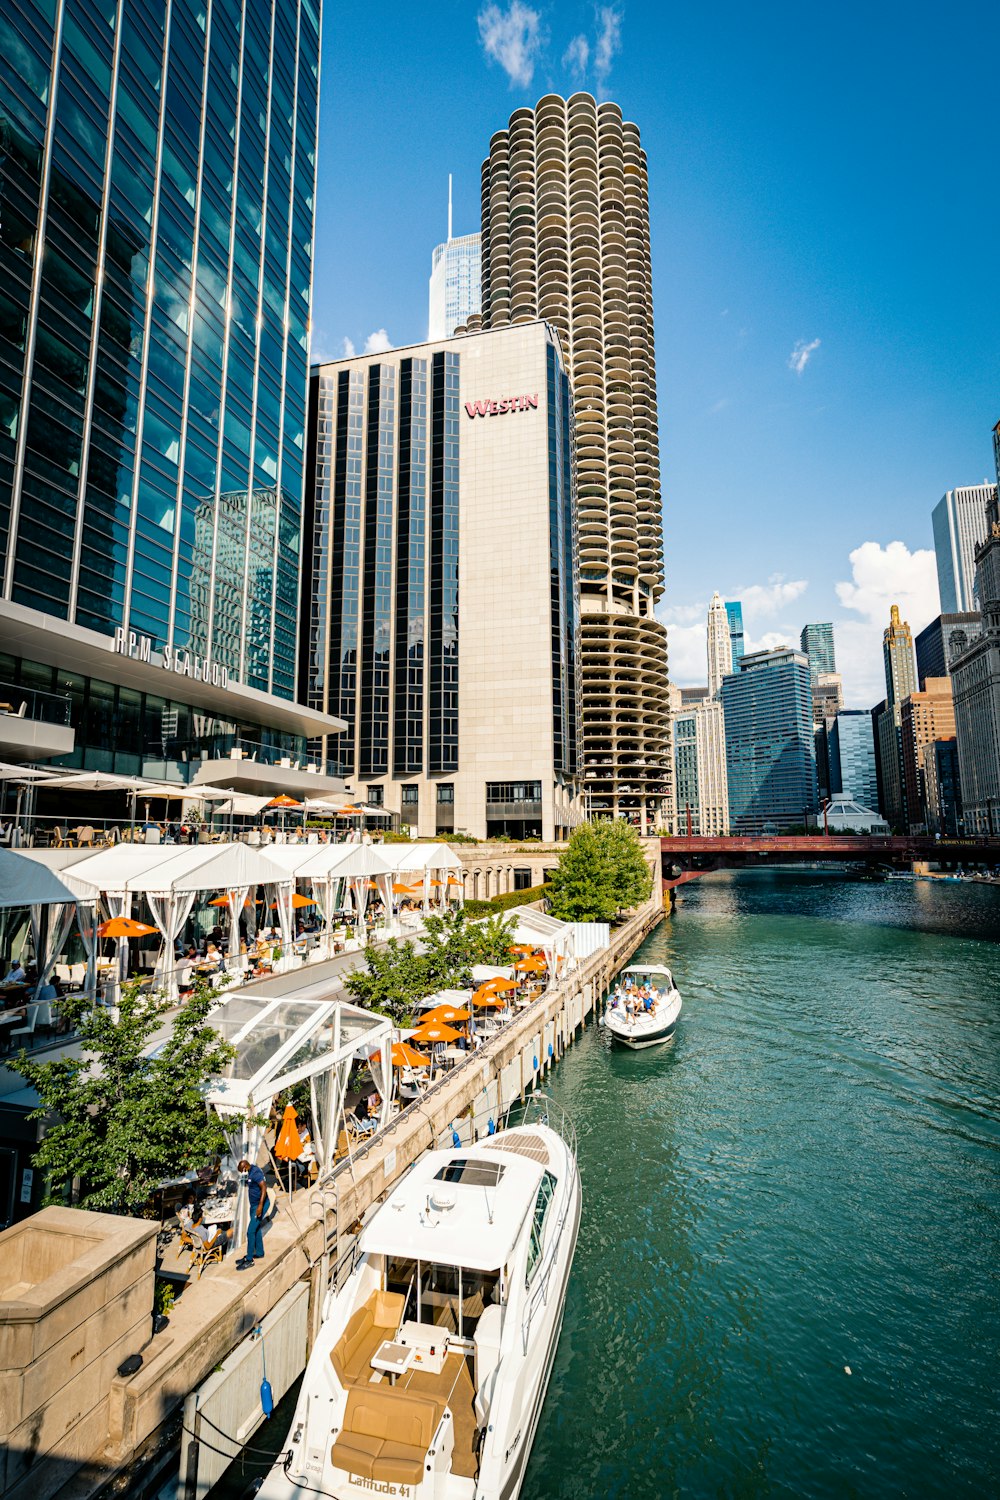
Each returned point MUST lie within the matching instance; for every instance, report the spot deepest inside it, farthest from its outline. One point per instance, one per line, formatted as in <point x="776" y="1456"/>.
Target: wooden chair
<point x="203" y="1252"/>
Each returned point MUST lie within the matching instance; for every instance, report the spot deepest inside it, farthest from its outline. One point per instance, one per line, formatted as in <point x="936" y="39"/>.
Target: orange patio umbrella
<point x="125" y="927"/>
<point x="289" y="1143"/>
<point x="399" y="889"/>
<point x="297" y="900"/>
<point x="404" y="1056"/>
<point x="282" y="800"/>
<point x="435" y="1031"/>
<point x="348" y="812"/>
<point x="531" y="966"/>
<point x="481" y="999"/>
<point x="500" y="985"/>
<point x="449" y="1014"/>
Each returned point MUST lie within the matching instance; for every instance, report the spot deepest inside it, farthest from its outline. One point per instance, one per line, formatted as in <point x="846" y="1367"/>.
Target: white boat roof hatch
<point x="469" y="1223"/>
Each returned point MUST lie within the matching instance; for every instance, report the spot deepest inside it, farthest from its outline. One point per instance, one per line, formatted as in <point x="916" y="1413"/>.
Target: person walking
<point x="257" y="1194"/>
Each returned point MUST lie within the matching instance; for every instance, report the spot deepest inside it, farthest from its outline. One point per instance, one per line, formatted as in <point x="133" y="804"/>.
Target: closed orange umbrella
<point x="435" y="1031"/>
<point x="124" y="927"/>
<point x="289" y="1143"/>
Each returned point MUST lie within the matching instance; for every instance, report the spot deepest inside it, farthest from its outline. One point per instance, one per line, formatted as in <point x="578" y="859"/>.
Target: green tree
<point x="124" y="1119"/>
<point x="631" y="877"/>
<point x="581" y="887"/>
<point x="393" y="980"/>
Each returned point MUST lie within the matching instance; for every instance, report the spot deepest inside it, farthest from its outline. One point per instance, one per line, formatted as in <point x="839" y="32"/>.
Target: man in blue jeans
<point x="257" y="1193"/>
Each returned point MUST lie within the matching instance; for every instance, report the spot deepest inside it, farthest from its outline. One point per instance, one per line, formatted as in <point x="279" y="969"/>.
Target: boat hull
<point x="638" y="1037"/>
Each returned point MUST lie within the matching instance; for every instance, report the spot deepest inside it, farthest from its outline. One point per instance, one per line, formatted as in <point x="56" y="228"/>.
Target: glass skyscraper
<point x="734" y="609"/>
<point x="157" y="186"/>
<point x="852" y="756"/>
<point x="770" y="750"/>
<point x="455" y="285"/>
<point x="817" y="643"/>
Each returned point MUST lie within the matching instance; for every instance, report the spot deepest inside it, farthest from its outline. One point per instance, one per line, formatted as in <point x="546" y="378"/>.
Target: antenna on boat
<point x="489" y="1205"/>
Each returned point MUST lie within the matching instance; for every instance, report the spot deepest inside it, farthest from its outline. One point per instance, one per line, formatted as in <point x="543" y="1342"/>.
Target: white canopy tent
<point x="86" y="895"/>
<point x="172" y="886"/>
<point x="50" y="903"/>
<point x="281" y="1042"/>
<point x="556" y="939"/>
<point x="429" y="861"/>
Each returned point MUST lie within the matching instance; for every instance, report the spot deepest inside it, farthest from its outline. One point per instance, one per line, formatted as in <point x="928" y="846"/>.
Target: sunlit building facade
<point x="157" y="182"/>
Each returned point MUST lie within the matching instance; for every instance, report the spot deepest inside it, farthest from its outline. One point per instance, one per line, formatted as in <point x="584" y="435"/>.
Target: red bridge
<point x="713" y="853"/>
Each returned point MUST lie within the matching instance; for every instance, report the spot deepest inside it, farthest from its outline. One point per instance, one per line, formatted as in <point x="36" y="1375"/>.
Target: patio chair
<point x="30" y="1021"/>
<point x="78" y="975"/>
<point x="203" y="1252"/>
<point x="85" y="836"/>
<point x="57" y="839"/>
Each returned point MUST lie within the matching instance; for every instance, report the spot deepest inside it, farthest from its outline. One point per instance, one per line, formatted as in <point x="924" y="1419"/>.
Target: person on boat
<point x="647" y="1003"/>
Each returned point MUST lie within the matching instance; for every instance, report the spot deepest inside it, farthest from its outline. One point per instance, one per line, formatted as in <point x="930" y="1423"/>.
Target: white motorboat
<point x="431" y="1365"/>
<point x="636" y="1025"/>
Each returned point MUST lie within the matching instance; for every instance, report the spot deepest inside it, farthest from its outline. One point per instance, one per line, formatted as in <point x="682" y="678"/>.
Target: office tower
<point x="687" y="810"/>
<point x="720" y="650"/>
<point x="827" y="696"/>
<point x="925" y="717"/>
<point x="900" y="682"/>
<point x="692" y="695"/>
<point x="157" y="177"/>
<point x="441" y="581"/>
<point x="817" y="643"/>
<point x="566" y="238"/>
<point x="770" y="751"/>
<point x="944" y="639"/>
<point x="713" y="787"/>
<point x="734" y="609"/>
<point x="976" y="686"/>
<point x="942" y="788"/>
<point x="453" y="296"/>
<point x="852" y="757"/>
<point x="959" y="522"/>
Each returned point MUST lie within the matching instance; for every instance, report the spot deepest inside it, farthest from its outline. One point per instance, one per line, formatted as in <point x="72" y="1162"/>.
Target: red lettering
<point x="532" y="401"/>
<point x="504" y="405"/>
<point x="477" y="408"/>
<point x="494" y="406"/>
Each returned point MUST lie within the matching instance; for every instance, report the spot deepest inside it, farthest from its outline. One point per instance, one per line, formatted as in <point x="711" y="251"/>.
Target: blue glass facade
<point x="817" y="643"/>
<point x="157" y="182"/>
<point x="770" y="750"/>
<point x="852" y="757"/>
<point x="734" y="610"/>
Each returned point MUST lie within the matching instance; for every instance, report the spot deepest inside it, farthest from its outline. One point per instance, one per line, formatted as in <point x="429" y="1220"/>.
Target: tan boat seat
<point x="386" y="1435"/>
<point x="366" y="1330"/>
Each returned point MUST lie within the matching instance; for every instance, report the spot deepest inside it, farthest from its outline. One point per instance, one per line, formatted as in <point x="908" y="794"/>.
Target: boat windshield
<point x="449" y="1297"/>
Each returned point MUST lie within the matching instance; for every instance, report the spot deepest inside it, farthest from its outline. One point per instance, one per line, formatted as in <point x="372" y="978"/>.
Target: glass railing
<point x="29" y="703"/>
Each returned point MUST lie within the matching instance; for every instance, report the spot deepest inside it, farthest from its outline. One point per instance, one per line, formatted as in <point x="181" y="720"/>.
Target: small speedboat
<point x="638" y="1026"/>
<point x="430" y="1368"/>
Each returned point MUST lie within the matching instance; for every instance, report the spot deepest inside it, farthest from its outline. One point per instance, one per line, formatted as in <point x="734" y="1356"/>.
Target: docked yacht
<point x="430" y="1369"/>
<point x="643" y="1028"/>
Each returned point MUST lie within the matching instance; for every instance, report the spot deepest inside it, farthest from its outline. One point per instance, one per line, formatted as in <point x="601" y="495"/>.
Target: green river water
<point x="808" y="1180"/>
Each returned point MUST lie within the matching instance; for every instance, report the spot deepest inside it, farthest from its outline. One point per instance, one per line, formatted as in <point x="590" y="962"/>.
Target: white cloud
<point x="771" y="640"/>
<point x="513" y="38"/>
<point x="881" y="577"/>
<point x="577" y="56"/>
<point x="684" y="614"/>
<point x="378" y="342"/>
<point x="609" y="41"/>
<point x="349" y="350"/>
<point x="687" y="654"/>
<point x="765" y="599"/>
<point x="801" y="354"/>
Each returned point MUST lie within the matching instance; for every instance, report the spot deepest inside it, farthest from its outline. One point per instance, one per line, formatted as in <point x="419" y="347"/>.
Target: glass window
<point x="546" y="1192"/>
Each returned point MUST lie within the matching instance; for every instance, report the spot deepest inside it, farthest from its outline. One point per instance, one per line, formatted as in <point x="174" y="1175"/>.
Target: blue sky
<point x="825" y="228"/>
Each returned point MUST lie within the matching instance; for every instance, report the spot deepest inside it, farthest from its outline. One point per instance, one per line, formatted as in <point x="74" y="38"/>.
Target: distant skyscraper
<point x="852" y="757"/>
<point x="454" y="294"/>
<point x="828" y="696"/>
<point x="817" y="643"/>
<point x="900" y="682"/>
<point x="565" y="226"/>
<point x="976" y="685"/>
<point x="897" y="656"/>
<point x="687" y="813"/>
<point x="943" y="640"/>
<point x="925" y="717"/>
<point x="713" y="788"/>
<point x="959" y="521"/>
<point x="734" y="609"/>
<point x="720" y="650"/>
<point x="770" y="750"/>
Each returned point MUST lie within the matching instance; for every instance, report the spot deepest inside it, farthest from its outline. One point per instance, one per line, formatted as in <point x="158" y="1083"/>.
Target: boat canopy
<point x="457" y="1208"/>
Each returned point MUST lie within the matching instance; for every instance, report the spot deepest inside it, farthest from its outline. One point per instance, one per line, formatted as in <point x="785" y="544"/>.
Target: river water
<point x="807" y="1182"/>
